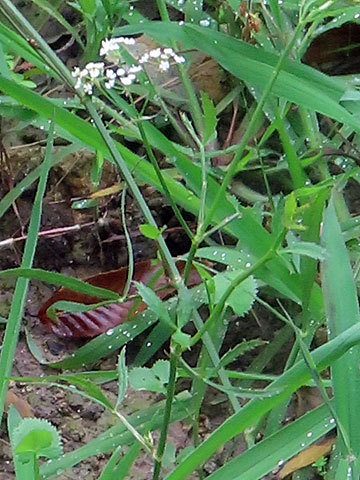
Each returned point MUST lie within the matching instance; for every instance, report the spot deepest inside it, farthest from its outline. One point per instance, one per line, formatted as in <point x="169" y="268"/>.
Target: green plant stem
<point x="167" y="412"/>
<point x="234" y="283"/>
<point x="235" y="164"/>
<point x="167" y="257"/>
<point x="194" y="106"/>
<point x="19" y="298"/>
<point x="249" y="131"/>
<point x="162" y="181"/>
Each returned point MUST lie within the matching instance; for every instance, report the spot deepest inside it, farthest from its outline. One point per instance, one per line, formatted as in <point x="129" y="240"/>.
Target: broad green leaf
<point x="272" y="452"/>
<point x="342" y="312"/>
<point x="305" y="248"/>
<point x="37" y="436"/>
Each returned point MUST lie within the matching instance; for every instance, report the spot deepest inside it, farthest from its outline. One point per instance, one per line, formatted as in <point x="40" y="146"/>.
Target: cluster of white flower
<point x="164" y="57"/>
<point x="121" y="74"/>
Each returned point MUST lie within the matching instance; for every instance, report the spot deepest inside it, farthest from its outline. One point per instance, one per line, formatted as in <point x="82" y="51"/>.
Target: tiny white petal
<point x="109" y="84"/>
<point x="179" y="59"/>
<point x="164" y="65"/>
<point x="110" y="74"/>
<point x="135" y="68"/>
<point x="155" y="53"/>
<point x="76" y="72"/>
<point x="129" y="41"/>
<point x="120" y="72"/>
<point x="169" y="51"/>
<point x="126" y="81"/>
<point x="144" y="58"/>
<point x="88" y="88"/>
<point x="78" y="84"/>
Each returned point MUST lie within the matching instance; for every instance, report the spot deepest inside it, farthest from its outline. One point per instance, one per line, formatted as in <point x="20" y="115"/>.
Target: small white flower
<point x="126" y="80"/>
<point x="88" y="88"/>
<point x="164" y="65"/>
<point x="94" y="69"/>
<point x="135" y="68"/>
<point x="179" y="59"/>
<point x="110" y="83"/>
<point x="126" y="40"/>
<point x="129" y="41"/>
<point x="84" y="73"/>
<point x="76" y="72"/>
<point x="155" y="53"/>
<point x="169" y="51"/>
<point x="108" y="45"/>
<point x="110" y="74"/>
<point x="78" y="84"/>
<point x="92" y="65"/>
<point x="120" y="72"/>
<point x="144" y="58"/>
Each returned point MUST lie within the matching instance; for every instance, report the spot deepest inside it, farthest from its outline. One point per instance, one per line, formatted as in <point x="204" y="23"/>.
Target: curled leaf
<point x="103" y="318"/>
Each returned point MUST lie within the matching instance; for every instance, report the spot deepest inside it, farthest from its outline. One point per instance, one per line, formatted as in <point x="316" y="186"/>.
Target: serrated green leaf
<point x="37" y="436"/>
<point x="243" y="295"/>
<point x="142" y="378"/>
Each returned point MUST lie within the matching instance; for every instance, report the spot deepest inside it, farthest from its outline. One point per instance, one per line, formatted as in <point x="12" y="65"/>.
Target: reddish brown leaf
<point x="94" y="322"/>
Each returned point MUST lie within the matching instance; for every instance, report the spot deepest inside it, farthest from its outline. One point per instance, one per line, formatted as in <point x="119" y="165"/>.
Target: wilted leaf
<point x="101" y="319"/>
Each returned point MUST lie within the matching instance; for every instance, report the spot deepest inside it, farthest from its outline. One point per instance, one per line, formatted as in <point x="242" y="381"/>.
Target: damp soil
<point x="97" y="247"/>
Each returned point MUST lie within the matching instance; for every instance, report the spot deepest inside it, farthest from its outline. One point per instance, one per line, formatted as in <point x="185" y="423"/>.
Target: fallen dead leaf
<point x="307" y="457"/>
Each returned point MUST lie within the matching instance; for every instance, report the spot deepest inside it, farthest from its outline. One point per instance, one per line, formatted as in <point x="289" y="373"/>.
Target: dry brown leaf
<point x="307" y="457"/>
<point x="20" y="404"/>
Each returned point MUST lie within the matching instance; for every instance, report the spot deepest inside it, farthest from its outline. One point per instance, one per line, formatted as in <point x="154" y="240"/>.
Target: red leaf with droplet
<point x="94" y="322"/>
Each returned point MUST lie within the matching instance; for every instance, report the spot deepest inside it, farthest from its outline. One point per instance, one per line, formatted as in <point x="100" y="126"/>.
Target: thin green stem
<point x="120" y="162"/>
<point x="234" y="283"/>
<point x="194" y="105"/>
<point x="164" y="186"/>
<point x="250" y="129"/>
<point x="170" y="394"/>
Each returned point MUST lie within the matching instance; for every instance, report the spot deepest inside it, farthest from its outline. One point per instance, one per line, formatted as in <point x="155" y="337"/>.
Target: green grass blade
<point x="21" y="288"/>
<point x="288" y="383"/>
<point x="342" y="312"/>
<point x="297" y="83"/>
<point x="272" y="452"/>
<point x="61" y="281"/>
